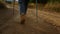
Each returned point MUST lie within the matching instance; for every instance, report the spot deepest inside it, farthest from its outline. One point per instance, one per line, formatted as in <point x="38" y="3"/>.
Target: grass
<point x="53" y="6"/>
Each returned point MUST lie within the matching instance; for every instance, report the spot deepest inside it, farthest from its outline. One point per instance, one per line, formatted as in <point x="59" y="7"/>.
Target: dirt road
<point x="10" y="24"/>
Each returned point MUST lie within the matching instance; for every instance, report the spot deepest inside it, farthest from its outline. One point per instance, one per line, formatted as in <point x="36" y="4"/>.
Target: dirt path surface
<point x="48" y="23"/>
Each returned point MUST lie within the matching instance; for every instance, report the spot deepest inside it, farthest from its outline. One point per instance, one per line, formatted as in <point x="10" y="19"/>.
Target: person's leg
<point x="23" y="10"/>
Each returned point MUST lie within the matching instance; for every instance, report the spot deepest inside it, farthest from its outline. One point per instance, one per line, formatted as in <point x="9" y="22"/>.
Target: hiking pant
<point x="23" y="6"/>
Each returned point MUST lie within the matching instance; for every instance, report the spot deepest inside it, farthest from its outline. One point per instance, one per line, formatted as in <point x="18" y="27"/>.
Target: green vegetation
<point x="53" y="5"/>
<point x="53" y="1"/>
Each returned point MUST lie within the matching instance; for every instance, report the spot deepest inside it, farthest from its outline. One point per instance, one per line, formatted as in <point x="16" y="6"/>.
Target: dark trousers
<point x="23" y="6"/>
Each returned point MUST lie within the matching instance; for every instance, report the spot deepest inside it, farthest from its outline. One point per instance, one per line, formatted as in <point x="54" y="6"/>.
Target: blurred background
<point x="46" y="20"/>
<point x="42" y="4"/>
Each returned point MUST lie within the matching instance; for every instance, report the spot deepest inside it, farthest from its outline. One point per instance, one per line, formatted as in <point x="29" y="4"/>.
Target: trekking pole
<point x="37" y="11"/>
<point x="13" y="6"/>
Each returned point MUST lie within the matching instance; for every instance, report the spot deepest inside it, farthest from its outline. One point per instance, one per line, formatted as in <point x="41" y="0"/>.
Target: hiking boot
<point x="22" y="17"/>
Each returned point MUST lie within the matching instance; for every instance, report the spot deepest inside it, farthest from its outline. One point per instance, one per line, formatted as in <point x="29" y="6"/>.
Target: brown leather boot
<point x="22" y="17"/>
